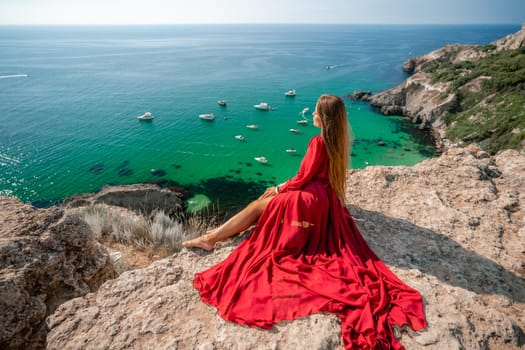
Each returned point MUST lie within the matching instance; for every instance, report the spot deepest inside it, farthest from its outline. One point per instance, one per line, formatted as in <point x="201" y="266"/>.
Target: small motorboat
<point x="207" y="116"/>
<point x="296" y="131"/>
<point x="290" y="93"/>
<point x="145" y="116"/>
<point x="263" y="106"/>
<point x="222" y="103"/>
<point x="291" y="150"/>
<point x="252" y="126"/>
<point x="261" y="160"/>
<point x="302" y="122"/>
<point x="239" y="137"/>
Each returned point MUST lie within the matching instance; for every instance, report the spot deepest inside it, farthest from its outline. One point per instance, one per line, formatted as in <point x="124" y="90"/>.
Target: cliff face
<point x="427" y="100"/>
<point x="46" y="258"/>
<point x="452" y="227"/>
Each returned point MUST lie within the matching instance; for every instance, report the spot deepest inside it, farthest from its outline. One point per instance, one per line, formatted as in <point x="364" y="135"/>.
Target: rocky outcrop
<point x="452" y="227"/>
<point x="427" y="102"/>
<point x="46" y="258"/>
<point x="359" y="95"/>
<point x="418" y="97"/>
<point x="511" y="41"/>
<point x="141" y="198"/>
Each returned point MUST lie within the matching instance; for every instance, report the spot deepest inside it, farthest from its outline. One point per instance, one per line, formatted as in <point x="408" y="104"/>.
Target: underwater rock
<point x="125" y="172"/>
<point x="97" y="169"/>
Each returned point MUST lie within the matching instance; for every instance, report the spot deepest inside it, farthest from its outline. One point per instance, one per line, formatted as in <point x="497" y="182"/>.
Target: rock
<point x="46" y="258"/>
<point x="359" y="95"/>
<point x="511" y="41"/>
<point x="158" y="307"/>
<point x="428" y="102"/>
<point x="410" y="65"/>
<point x="440" y="225"/>
<point x="456" y="235"/>
<point x="141" y="198"/>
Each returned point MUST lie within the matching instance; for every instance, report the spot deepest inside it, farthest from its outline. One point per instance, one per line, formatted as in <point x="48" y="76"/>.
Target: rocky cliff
<point x="452" y="227"/>
<point x="46" y="258"/>
<point x="446" y="81"/>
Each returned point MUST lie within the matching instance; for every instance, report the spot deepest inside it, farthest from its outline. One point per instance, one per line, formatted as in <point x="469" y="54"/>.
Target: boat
<point x="291" y="150"/>
<point x="302" y="122"/>
<point x="262" y="160"/>
<point x="263" y="106"/>
<point x="239" y="137"/>
<point x="252" y="126"/>
<point x="297" y="131"/>
<point x="222" y="102"/>
<point x="290" y="93"/>
<point x="145" y="116"/>
<point x="207" y="116"/>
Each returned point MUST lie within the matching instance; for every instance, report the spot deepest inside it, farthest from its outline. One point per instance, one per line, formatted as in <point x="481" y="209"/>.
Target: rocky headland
<point x="464" y="94"/>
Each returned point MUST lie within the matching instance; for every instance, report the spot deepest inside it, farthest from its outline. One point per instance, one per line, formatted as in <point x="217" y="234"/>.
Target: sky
<point x="262" y="11"/>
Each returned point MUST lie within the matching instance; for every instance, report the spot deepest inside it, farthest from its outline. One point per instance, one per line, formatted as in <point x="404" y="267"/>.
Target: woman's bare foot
<point x="199" y="242"/>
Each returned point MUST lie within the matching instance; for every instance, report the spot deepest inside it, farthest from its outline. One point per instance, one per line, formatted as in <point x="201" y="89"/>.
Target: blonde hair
<point x="332" y="111"/>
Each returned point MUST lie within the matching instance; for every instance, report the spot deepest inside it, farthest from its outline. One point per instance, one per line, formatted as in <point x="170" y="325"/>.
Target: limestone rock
<point x="158" y="307"/>
<point x="141" y="198"/>
<point x="511" y="41"/>
<point x="427" y="102"/>
<point x="452" y="227"/>
<point x="46" y="258"/>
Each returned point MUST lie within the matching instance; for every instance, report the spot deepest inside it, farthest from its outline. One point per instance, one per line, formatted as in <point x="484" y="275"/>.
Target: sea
<point x="70" y="97"/>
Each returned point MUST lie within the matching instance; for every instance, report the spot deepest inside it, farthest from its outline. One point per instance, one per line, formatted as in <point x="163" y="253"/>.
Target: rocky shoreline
<point x="427" y="102"/>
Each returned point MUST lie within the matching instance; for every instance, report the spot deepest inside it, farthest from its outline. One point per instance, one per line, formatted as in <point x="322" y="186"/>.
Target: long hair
<point x="332" y="111"/>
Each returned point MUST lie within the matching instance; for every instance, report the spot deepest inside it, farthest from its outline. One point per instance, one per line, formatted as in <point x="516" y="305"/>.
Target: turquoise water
<point x="70" y="97"/>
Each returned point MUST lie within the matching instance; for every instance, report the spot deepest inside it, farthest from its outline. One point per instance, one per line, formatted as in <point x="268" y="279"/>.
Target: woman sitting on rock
<point x="306" y="255"/>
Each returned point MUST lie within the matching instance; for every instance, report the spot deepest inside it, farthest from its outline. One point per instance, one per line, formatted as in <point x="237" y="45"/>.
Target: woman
<point x="306" y="255"/>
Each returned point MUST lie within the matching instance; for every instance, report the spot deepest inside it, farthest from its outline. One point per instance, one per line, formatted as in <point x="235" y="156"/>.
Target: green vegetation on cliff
<point x="490" y="96"/>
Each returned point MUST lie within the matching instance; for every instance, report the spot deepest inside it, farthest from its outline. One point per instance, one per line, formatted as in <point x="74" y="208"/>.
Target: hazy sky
<point x="260" y="11"/>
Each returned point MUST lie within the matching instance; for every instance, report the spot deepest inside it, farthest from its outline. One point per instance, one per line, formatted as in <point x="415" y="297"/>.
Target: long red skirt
<point x="306" y="256"/>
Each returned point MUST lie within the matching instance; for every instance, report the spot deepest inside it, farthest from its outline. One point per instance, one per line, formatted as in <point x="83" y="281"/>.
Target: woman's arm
<point x="315" y="154"/>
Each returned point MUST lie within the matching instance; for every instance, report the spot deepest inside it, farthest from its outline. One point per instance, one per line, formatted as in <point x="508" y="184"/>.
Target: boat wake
<point x="13" y="76"/>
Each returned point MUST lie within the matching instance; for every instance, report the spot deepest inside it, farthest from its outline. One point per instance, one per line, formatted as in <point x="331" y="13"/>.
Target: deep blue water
<point x="70" y="95"/>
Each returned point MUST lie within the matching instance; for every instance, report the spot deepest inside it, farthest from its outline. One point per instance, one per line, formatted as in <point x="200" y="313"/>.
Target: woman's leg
<point x="238" y="223"/>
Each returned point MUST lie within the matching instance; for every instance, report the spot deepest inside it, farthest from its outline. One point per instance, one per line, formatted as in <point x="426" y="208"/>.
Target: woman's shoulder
<point x="317" y="140"/>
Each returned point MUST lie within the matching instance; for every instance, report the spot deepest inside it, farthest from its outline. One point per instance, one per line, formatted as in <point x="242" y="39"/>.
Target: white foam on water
<point x="13" y="76"/>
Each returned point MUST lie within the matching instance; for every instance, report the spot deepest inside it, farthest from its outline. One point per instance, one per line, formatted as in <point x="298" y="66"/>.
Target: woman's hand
<point x="270" y="192"/>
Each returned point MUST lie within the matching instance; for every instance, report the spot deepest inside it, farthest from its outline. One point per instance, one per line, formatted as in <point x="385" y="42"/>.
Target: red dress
<point x="306" y="256"/>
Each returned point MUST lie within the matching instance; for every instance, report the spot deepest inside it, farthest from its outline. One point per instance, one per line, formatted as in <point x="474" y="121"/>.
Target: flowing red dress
<point x="306" y="256"/>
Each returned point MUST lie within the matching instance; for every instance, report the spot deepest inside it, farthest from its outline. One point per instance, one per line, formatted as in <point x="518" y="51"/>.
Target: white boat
<point x="302" y="122"/>
<point x="297" y="131"/>
<point x="207" y="116"/>
<point x="291" y="150"/>
<point x="290" y="93"/>
<point x="263" y="106"/>
<point x="262" y="160"/>
<point x="145" y="116"/>
<point x="252" y="126"/>
<point x="222" y="102"/>
<point x="239" y="137"/>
